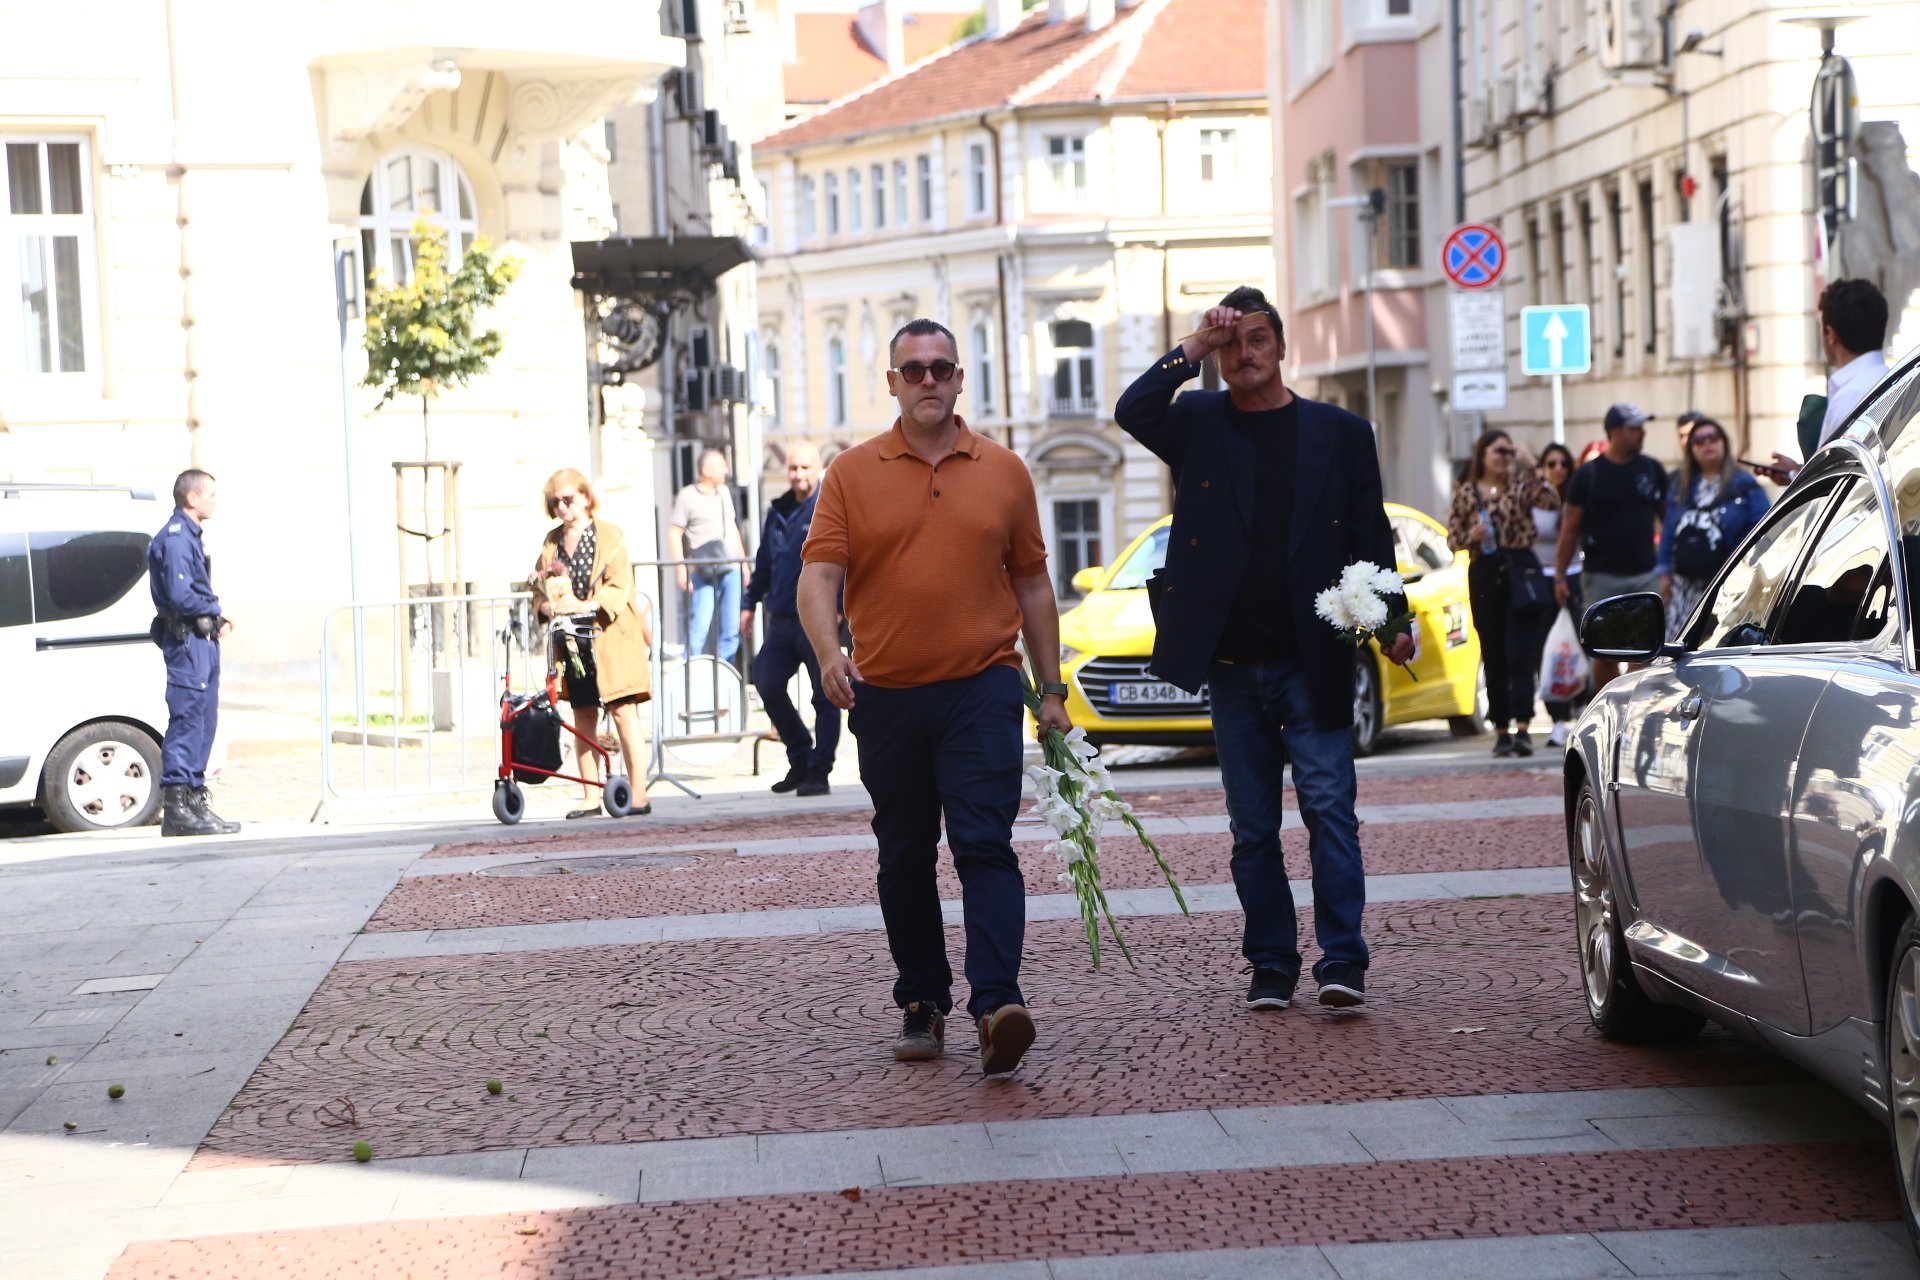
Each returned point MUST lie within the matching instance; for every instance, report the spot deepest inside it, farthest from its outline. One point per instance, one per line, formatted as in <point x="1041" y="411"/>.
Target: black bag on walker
<point x="535" y="730"/>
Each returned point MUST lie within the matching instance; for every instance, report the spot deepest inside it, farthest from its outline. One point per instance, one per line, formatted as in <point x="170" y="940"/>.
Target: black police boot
<point x="203" y="805"/>
<point x="178" y="817"/>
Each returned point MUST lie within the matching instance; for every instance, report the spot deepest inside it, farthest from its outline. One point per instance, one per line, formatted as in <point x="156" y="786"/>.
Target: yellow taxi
<point x="1106" y="639"/>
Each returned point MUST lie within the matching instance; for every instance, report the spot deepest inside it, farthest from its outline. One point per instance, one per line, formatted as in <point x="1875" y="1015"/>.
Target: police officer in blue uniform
<point x="187" y="627"/>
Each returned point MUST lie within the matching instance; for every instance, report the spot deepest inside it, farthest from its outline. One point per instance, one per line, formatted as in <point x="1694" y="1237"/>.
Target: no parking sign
<point x="1473" y="256"/>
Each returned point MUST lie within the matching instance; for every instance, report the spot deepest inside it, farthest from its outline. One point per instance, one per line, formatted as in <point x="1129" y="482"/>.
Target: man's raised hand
<point x="1216" y="331"/>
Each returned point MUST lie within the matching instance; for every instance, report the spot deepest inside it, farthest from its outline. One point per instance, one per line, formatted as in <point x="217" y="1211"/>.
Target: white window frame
<point x="1219" y="152"/>
<point x="836" y="379"/>
<point x="900" y="215"/>
<point x="1058" y="539"/>
<point x="1083" y="372"/>
<point x="979" y="179"/>
<point x="856" y="203"/>
<point x="1309" y="43"/>
<point x="877" y="179"/>
<point x="986" y="372"/>
<point x="1065" y="155"/>
<point x="832" y="204"/>
<point x="809" y="210"/>
<point x="48" y="227"/>
<point x="923" y="166"/>
<point x="1314" y="279"/>
<point x="775" y="404"/>
<point x="388" y="226"/>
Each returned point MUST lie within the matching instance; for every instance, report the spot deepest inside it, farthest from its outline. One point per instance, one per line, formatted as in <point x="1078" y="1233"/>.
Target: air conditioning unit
<point x="1695" y="292"/>
<point x="730" y="166"/>
<point x="739" y="18"/>
<point x="1503" y="101"/>
<point x="710" y="129"/>
<point x="1530" y="93"/>
<point x="1476" y="121"/>
<point x="1629" y="35"/>
<point x="690" y="19"/>
<point x="687" y="98"/>
<point x="730" y="385"/>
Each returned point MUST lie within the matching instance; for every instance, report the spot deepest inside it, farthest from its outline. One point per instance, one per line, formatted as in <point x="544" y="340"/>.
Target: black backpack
<point x="1699" y="547"/>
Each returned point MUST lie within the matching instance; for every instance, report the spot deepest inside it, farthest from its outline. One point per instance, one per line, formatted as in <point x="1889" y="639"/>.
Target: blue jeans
<point x="953" y="749"/>
<point x="784" y="651"/>
<point x="1261" y="720"/>
<point x="726" y="587"/>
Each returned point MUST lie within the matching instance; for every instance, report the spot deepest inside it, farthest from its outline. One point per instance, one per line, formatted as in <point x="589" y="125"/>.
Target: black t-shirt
<point x="1620" y="506"/>
<point x="1260" y="625"/>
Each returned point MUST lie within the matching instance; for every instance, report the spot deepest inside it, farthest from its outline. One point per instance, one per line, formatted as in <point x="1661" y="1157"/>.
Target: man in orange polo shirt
<point x="935" y="534"/>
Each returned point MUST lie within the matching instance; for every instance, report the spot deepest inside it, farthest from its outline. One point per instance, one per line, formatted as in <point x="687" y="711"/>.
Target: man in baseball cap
<point x="1613" y="505"/>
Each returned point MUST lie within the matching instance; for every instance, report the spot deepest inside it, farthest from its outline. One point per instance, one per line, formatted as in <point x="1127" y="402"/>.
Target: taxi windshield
<point x="1150" y="555"/>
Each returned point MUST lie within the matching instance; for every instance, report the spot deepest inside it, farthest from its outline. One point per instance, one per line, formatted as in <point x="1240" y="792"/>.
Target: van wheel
<point x="1368" y="711"/>
<point x="102" y="776"/>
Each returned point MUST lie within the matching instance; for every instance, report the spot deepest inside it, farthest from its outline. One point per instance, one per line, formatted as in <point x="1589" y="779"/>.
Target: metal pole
<point x="1367" y="218"/>
<point x="1559" y="411"/>
<point x="345" y="265"/>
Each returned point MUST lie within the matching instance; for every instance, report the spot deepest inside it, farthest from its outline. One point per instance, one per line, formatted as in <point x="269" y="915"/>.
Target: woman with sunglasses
<point x="1710" y="509"/>
<point x="1492" y="520"/>
<point x="584" y="572"/>
<point x="1556" y="468"/>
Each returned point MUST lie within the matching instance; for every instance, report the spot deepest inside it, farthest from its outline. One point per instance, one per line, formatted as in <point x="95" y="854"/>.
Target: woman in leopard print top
<point x="1492" y="520"/>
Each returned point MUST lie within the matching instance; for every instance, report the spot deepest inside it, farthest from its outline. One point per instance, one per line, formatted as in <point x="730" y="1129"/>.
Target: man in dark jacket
<point x="776" y="578"/>
<point x="1274" y="495"/>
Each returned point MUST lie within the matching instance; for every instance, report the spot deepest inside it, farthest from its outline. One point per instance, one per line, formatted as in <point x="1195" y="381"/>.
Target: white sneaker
<point x="1558" y="737"/>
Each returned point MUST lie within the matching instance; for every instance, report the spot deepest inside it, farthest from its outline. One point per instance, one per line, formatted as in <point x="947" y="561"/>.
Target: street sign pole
<point x="1559" y="410"/>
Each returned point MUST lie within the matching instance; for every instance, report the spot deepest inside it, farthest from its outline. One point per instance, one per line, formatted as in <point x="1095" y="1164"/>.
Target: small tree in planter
<point x="424" y="336"/>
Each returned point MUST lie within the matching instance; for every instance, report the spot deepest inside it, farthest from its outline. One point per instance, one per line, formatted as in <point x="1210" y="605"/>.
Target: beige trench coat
<point x="619" y="646"/>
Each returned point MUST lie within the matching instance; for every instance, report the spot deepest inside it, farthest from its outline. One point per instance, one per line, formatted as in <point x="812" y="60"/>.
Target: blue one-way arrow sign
<point x="1555" y="340"/>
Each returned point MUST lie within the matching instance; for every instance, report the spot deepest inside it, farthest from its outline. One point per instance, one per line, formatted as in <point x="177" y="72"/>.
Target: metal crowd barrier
<point x="410" y="689"/>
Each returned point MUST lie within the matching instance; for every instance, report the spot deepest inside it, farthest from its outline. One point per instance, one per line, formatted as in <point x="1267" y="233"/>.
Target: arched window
<point x="403" y="187"/>
<point x="836" y="381"/>
<point x="1074" y="391"/>
<point x="980" y="338"/>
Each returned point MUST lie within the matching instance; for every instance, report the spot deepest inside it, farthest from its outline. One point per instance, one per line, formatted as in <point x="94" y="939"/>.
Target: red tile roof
<point x="834" y="61"/>
<point x="1153" y="49"/>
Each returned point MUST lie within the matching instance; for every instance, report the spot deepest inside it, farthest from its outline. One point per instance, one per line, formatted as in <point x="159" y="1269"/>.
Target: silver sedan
<point x="1743" y="813"/>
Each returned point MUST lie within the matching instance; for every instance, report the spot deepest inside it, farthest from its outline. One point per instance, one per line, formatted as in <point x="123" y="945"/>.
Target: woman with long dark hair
<point x="1512" y="600"/>
<point x="1556" y="469"/>
<point x="1709" y="511"/>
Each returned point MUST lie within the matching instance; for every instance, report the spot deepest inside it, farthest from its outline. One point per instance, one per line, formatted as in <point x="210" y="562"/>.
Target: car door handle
<point x="1689" y="708"/>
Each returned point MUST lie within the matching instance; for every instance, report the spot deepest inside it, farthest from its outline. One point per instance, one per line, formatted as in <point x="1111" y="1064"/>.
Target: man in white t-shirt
<point x="704" y="528"/>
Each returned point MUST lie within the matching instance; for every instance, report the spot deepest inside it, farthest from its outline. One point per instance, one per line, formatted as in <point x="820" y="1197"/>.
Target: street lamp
<point x="1369" y="206"/>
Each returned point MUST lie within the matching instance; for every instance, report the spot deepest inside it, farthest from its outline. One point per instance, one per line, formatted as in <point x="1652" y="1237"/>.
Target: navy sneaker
<point x="1343" y="986"/>
<point x="1270" y="989"/>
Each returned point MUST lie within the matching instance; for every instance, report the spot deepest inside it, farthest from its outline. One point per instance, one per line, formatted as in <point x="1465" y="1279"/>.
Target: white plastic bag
<point x="1563" y="663"/>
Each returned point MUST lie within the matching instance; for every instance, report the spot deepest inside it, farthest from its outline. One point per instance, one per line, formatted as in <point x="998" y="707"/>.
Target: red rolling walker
<point x="536" y="719"/>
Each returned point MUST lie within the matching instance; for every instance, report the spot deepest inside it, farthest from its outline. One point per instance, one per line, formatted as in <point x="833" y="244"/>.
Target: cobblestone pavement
<point x="725" y="1106"/>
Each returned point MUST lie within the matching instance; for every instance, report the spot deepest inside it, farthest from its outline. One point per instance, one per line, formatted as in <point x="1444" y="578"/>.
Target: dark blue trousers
<point x="784" y="652"/>
<point x="953" y="749"/>
<point x="193" y="711"/>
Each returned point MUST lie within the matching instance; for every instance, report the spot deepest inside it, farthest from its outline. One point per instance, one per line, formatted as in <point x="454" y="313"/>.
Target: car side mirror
<point x="1631" y="628"/>
<point x="1088" y="578"/>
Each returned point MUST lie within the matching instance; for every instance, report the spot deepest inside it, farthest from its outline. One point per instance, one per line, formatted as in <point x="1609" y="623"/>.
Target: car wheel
<point x="1368" y="714"/>
<point x="101" y="776"/>
<point x="1475" y="724"/>
<point x="1900" y="1062"/>
<point x="1619" y="1008"/>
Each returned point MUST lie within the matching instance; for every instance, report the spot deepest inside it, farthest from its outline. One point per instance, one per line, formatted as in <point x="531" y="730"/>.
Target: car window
<point x="1149" y="556"/>
<point x="16" y="599"/>
<point x="1845" y="593"/>
<point x="75" y="574"/>
<point x="1418" y="548"/>
<point x="1739" y="605"/>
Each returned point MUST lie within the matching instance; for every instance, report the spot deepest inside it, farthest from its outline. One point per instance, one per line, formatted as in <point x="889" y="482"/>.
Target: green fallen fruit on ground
<point x="69" y="1125"/>
<point x="494" y="1087"/>
<point x="116" y="1091"/>
<point x="362" y="1152"/>
<point x="51" y="1059"/>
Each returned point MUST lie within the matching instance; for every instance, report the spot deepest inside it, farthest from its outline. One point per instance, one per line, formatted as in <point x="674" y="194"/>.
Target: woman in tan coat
<point x="584" y="569"/>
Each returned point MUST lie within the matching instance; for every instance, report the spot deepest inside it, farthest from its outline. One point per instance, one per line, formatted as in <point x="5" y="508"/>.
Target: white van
<point x="85" y="688"/>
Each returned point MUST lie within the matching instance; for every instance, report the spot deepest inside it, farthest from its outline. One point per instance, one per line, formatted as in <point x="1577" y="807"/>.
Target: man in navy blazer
<point x="1274" y="495"/>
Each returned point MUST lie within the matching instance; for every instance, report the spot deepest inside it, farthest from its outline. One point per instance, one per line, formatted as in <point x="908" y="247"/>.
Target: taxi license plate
<point x="1128" y="695"/>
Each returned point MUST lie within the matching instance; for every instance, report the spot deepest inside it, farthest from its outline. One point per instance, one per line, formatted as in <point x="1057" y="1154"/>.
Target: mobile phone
<point x="1759" y="466"/>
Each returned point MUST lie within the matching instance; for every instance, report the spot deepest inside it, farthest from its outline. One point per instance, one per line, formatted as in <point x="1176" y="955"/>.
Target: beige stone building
<point x="181" y="175"/>
<point x="1067" y="192"/>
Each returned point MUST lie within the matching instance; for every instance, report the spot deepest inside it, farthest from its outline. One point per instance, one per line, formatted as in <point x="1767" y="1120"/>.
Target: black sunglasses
<point x="913" y="371"/>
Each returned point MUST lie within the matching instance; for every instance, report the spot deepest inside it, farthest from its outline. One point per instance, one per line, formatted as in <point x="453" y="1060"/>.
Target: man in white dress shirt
<point x="1853" y="329"/>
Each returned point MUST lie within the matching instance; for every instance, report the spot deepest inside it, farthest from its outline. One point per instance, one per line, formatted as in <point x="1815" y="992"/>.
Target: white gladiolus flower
<point x="1045" y="781"/>
<point x="1077" y="743"/>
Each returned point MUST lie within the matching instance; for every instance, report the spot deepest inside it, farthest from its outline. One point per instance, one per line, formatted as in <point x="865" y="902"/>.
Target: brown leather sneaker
<point x="1005" y="1036"/>
<point x="923" y="1034"/>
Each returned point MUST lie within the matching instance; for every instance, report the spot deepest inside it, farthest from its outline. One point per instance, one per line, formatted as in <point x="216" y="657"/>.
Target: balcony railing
<point x="1073" y="407"/>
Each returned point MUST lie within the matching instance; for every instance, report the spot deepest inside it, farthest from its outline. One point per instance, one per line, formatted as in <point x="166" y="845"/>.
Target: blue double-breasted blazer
<point x="1338" y="518"/>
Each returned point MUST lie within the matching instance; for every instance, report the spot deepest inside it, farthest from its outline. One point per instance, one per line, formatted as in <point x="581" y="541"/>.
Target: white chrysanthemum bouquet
<point x="1356" y="606"/>
<point x="1076" y="798"/>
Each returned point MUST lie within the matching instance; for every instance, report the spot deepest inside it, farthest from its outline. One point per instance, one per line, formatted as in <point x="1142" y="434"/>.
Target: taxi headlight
<point x="1067" y="654"/>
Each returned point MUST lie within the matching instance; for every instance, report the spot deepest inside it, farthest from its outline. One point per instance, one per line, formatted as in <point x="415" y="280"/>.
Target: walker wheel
<point x="509" y="802"/>
<point x="619" y="796"/>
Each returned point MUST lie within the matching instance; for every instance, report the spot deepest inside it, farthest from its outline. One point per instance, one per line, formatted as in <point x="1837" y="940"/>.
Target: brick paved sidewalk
<point x="726" y="1106"/>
